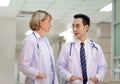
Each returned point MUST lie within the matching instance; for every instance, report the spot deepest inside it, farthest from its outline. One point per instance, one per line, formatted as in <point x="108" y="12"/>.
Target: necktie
<point x="83" y="63"/>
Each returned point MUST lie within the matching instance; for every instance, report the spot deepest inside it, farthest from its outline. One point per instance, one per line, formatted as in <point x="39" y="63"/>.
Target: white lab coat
<point x="34" y="61"/>
<point x="68" y="65"/>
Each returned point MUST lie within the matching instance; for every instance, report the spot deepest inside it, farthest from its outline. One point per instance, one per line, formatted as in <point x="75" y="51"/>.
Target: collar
<point x="85" y="42"/>
<point x="77" y="41"/>
<point x="37" y="36"/>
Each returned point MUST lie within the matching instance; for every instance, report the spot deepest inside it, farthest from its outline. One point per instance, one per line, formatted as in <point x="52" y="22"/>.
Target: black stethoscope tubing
<point x="37" y="42"/>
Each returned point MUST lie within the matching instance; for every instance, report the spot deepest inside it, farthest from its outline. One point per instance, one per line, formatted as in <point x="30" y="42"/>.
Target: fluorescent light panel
<point x="107" y="8"/>
<point x="68" y="35"/>
<point x="4" y="2"/>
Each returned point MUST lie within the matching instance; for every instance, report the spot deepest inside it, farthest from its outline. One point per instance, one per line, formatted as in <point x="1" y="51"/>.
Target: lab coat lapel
<point x="75" y="46"/>
<point x="91" y="54"/>
<point x="88" y="58"/>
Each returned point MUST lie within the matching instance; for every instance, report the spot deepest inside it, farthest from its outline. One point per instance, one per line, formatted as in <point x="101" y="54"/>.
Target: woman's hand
<point x="41" y="76"/>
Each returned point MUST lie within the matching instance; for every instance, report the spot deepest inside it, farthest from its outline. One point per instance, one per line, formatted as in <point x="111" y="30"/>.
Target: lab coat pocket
<point x="40" y="81"/>
<point x="77" y="82"/>
<point x="29" y="81"/>
<point x="90" y="82"/>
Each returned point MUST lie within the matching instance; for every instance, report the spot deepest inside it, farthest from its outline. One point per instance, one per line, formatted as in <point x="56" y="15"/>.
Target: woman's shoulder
<point x="30" y="38"/>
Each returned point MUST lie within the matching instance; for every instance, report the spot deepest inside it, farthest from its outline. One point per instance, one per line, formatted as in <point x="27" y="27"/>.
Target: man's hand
<point x="41" y="76"/>
<point x="73" y="78"/>
<point x="94" y="79"/>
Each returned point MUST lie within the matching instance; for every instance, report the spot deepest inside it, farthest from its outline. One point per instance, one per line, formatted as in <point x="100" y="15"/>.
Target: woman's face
<point x="45" y="24"/>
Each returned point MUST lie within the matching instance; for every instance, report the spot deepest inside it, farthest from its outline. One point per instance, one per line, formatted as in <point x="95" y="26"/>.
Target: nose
<point x="74" y="28"/>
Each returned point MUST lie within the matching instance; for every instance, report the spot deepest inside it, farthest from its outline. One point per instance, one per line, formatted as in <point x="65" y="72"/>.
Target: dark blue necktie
<point x="83" y="63"/>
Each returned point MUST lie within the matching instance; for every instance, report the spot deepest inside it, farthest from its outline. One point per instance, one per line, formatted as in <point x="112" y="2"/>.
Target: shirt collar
<point x="79" y="41"/>
<point x="85" y="42"/>
<point x="37" y="35"/>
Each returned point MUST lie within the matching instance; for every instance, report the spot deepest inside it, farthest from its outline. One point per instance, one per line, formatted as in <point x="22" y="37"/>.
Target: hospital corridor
<point x="104" y="29"/>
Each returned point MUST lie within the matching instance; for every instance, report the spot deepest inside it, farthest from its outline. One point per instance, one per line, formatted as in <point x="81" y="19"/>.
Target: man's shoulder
<point x="70" y="43"/>
<point x="95" y="44"/>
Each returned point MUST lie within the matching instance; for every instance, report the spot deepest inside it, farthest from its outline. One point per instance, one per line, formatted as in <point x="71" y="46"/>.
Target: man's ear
<point x="86" y="27"/>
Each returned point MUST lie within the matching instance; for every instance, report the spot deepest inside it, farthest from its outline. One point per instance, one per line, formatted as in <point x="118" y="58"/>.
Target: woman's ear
<point x="41" y="23"/>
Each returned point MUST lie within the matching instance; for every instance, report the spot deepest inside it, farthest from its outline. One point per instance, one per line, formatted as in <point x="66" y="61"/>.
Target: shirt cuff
<point x="98" y="78"/>
<point x="36" y="73"/>
<point x="69" y="76"/>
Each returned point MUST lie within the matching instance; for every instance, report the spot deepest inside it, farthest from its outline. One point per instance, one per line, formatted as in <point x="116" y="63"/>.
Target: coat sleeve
<point x="102" y="65"/>
<point x="62" y="64"/>
<point x="25" y="61"/>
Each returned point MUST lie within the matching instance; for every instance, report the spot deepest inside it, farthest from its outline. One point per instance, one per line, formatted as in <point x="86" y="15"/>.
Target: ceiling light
<point x="64" y="33"/>
<point x="68" y="35"/>
<point x="107" y="8"/>
<point x="4" y="2"/>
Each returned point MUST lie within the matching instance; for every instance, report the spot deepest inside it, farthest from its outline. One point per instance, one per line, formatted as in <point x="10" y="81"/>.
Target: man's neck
<point x="83" y="38"/>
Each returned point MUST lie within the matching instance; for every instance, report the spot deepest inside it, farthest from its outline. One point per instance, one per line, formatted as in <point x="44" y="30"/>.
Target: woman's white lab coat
<point x="34" y="60"/>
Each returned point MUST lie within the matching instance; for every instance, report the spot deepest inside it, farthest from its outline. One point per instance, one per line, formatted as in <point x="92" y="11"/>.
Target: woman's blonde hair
<point x="38" y="16"/>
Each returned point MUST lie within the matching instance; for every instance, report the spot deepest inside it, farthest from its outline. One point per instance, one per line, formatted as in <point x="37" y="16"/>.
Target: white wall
<point x="7" y="50"/>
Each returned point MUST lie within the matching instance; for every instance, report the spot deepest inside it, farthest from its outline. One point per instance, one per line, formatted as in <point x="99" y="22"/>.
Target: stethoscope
<point x="70" y="49"/>
<point x="38" y="48"/>
<point x="92" y="44"/>
<point x="37" y="42"/>
<point x="39" y="52"/>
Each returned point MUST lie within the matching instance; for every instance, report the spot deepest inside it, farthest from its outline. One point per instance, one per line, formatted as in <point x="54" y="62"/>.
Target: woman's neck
<point x="40" y="32"/>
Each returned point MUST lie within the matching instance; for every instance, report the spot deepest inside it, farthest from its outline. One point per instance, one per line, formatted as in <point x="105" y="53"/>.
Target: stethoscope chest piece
<point x="70" y="58"/>
<point x="38" y="51"/>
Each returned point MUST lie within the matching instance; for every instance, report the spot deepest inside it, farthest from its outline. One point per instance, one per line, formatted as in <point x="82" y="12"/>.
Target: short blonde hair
<point x="38" y="16"/>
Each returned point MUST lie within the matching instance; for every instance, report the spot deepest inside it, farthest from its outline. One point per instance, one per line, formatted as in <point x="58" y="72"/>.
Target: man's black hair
<point x="85" y="18"/>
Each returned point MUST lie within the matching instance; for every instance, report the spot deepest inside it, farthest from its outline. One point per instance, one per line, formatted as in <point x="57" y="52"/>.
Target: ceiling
<point x="62" y="12"/>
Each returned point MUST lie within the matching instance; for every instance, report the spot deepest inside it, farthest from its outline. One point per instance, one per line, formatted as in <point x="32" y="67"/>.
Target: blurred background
<point x="14" y="25"/>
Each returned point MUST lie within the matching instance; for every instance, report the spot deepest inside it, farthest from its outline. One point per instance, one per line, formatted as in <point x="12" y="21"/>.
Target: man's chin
<point x="78" y="36"/>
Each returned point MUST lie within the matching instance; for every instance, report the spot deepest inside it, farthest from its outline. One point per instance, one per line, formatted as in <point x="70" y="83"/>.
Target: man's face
<point x="78" y="28"/>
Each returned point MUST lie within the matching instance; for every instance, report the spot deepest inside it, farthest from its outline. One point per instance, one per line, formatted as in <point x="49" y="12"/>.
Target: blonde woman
<point x="36" y="59"/>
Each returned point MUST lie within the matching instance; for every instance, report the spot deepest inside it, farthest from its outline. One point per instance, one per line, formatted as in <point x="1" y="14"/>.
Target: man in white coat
<point x="81" y="61"/>
<point x="36" y="59"/>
